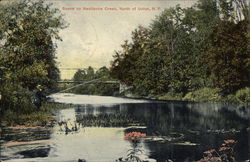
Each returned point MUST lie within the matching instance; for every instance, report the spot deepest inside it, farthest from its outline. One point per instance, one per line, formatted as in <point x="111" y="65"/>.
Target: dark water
<point x="179" y="131"/>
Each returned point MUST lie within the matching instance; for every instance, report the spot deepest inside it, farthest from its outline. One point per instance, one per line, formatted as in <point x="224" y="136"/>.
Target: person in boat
<point x="38" y="96"/>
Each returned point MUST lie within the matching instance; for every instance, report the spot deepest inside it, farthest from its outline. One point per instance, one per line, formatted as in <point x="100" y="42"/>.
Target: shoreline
<point x="45" y="116"/>
<point x="156" y="98"/>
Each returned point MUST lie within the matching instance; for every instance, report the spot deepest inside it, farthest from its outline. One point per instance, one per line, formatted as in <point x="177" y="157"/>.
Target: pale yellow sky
<point x="93" y="36"/>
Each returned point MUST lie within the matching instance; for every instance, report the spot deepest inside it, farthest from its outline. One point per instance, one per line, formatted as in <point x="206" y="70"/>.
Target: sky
<point x="93" y="35"/>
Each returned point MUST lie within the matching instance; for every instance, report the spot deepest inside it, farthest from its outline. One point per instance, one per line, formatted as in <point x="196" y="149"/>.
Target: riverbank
<point x="44" y="117"/>
<point x="90" y="123"/>
<point x="242" y="96"/>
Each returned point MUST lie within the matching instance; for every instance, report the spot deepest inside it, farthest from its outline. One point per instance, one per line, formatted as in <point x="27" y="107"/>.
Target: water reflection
<point x="179" y="131"/>
<point x="183" y="130"/>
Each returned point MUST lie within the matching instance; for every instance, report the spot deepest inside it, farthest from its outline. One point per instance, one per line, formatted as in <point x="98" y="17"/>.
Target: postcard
<point x="124" y="81"/>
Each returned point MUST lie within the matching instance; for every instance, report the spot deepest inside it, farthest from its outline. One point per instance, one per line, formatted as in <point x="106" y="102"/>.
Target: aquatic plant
<point x="133" y="154"/>
<point x="224" y="154"/>
<point x="134" y="137"/>
<point x="73" y="128"/>
<point x="108" y="120"/>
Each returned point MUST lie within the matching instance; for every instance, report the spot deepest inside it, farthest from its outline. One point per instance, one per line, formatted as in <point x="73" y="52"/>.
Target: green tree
<point x="103" y="72"/>
<point x="175" y="49"/>
<point x="199" y="22"/>
<point x="80" y="75"/>
<point x="171" y="55"/>
<point x="98" y="88"/>
<point x="90" y="73"/>
<point x="28" y="32"/>
<point x="127" y="65"/>
<point x="229" y="55"/>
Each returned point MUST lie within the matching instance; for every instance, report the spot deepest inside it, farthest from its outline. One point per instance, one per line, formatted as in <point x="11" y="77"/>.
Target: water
<point x="93" y="127"/>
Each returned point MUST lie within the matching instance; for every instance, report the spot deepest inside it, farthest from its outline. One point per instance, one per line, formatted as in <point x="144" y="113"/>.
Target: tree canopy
<point x="28" y="32"/>
<point x="103" y="74"/>
<point x="185" y="49"/>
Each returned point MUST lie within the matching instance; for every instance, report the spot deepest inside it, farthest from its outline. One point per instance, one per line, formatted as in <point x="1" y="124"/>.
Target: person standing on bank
<point x="38" y="96"/>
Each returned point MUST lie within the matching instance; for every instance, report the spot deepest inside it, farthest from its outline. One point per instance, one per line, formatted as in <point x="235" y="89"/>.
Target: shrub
<point x="243" y="95"/>
<point x="204" y="94"/>
<point x="229" y="98"/>
<point x="43" y="116"/>
<point x="171" y="96"/>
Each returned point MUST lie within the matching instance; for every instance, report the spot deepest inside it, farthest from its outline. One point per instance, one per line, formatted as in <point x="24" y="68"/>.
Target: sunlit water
<point x="93" y="127"/>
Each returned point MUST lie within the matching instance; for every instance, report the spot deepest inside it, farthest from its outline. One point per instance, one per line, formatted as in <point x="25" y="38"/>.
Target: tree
<point x="28" y="31"/>
<point x="102" y="72"/>
<point x="90" y="73"/>
<point x="95" y="89"/>
<point x="80" y="75"/>
<point x="229" y="56"/>
<point x="128" y="65"/>
<point x="171" y="55"/>
<point x="27" y="34"/>
<point x="234" y="10"/>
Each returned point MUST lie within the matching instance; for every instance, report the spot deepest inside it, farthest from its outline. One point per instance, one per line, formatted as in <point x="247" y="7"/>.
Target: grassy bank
<point x="42" y="117"/>
<point x="241" y="96"/>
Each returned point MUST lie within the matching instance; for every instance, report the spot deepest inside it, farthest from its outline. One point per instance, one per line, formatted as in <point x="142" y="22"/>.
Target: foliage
<point x="95" y="89"/>
<point x="15" y="98"/>
<point x="42" y="117"/>
<point x="171" y="96"/>
<point x="229" y="98"/>
<point x="204" y="94"/>
<point x="243" y="95"/>
<point x="228" y="57"/>
<point x="108" y="120"/>
<point x="80" y="75"/>
<point x="209" y="94"/>
<point x="224" y="153"/>
<point x="186" y="49"/>
<point x="28" y="32"/>
<point x="133" y="154"/>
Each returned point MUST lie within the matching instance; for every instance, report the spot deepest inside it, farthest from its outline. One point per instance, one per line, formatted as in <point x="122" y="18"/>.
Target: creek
<point x="92" y="128"/>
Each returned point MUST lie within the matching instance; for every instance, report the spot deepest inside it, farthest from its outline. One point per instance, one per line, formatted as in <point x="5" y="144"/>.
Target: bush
<point x="229" y="98"/>
<point x="41" y="117"/>
<point x="16" y="98"/>
<point x="204" y="94"/>
<point x="243" y="95"/>
<point x="171" y="96"/>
